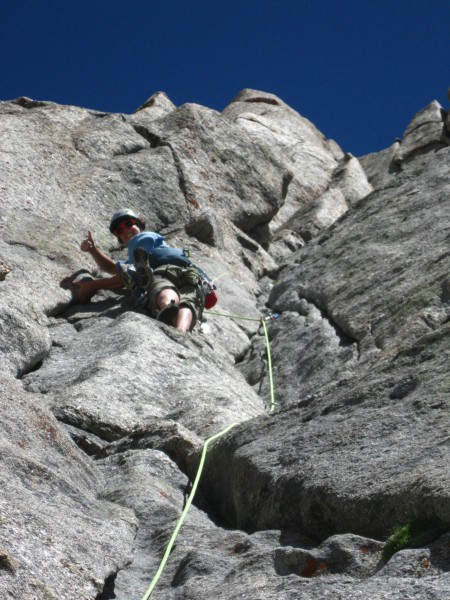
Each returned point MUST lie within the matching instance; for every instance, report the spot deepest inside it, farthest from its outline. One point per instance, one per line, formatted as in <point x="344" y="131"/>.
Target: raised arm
<point x="104" y="262"/>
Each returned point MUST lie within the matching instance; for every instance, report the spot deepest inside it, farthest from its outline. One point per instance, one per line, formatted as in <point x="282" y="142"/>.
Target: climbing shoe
<point x="127" y="277"/>
<point x="141" y="300"/>
<point x="167" y="313"/>
<point x="144" y="274"/>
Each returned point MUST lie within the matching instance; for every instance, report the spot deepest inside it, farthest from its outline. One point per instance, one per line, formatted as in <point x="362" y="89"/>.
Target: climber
<point x="172" y="285"/>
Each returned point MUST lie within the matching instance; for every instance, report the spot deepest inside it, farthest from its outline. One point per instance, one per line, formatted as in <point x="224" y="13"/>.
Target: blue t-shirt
<point x="159" y="252"/>
<point x="149" y="240"/>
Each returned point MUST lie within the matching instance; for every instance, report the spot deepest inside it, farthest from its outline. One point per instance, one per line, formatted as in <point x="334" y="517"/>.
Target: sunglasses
<point x="124" y="226"/>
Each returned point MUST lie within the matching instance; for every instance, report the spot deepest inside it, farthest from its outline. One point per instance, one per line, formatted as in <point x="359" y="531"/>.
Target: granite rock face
<point x="105" y="411"/>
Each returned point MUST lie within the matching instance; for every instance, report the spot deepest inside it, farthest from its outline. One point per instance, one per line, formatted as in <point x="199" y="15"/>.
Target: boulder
<point x="425" y="132"/>
<point x="219" y="167"/>
<point x="300" y="146"/>
<point x="157" y="106"/>
<point x="380" y="167"/>
<point x="57" y="537"/>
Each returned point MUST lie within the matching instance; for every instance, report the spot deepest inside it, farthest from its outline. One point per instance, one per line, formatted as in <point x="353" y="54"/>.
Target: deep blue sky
<point x="358" y="70"/>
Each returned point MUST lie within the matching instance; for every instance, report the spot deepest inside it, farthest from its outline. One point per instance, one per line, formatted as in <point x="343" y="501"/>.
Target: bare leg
<point x="183" y="320"/>
<point x="167" y="296"/>
<point x="83" y="291"/>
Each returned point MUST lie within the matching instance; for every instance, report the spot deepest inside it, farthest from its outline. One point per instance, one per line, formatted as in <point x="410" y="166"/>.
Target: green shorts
<point x="184" y="280"/>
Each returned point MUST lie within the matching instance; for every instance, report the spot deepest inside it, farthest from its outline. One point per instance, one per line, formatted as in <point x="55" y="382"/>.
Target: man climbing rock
<point x="170" y="283"/>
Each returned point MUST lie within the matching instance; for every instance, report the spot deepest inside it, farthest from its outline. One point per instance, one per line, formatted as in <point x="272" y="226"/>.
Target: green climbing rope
<point x="230" y="316"/>
<point x="185" y="510"/>
<point x="261" y="320"/>
<point x="269" y="364"/>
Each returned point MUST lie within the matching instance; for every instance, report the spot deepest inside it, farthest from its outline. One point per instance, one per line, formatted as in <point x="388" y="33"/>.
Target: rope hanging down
<point x="216" y="436"/>
<point x="262" y="320"/>
<point x="269" y="363"/>
<point x="186" y="510"/>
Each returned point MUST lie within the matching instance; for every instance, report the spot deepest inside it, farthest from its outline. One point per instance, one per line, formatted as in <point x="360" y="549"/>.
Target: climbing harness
<point x="161" y="261"/>
<point x="188" y="502"/>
